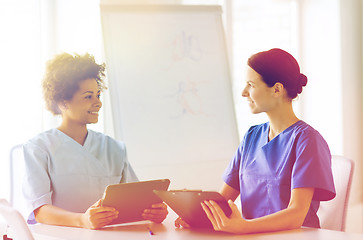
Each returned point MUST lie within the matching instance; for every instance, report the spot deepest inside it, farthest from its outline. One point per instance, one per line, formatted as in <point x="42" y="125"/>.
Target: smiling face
<point x="84" y="106"/>
<point x="258" y="94"/>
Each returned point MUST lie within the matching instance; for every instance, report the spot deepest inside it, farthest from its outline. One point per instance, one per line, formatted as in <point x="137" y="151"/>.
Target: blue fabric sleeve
<point x="313" y="166"/>
<point x="231" y="174"/>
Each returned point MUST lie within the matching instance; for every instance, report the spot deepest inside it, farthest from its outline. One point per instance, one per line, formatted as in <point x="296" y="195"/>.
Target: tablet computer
<point x="187" y="205"/>
<point x="131" y="199"/>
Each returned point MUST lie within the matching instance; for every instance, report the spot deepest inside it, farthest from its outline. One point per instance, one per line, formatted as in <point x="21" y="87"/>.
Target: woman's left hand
<point x="157" y="213"/>
<point x="233" y="224"/>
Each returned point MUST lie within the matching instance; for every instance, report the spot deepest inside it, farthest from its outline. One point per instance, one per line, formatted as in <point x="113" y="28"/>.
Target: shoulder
<point x="257" y="130"/>
<point x="104" y="146"/>
<point x="44" y="143"/>
<point x="44" y="139"/>
<point x="304" y="130"/>
<point x="253" y="134"/>
<point x="307" y="137"/>
<point x="106" y="140"/>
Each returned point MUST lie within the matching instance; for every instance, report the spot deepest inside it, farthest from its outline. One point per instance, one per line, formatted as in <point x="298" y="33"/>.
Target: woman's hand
<point x="233" y="224"/>
<point x="291" y="217"/>
<point x="157" y="213"/>
<point x="97" y="216"/>
<point x="181" y="223"/>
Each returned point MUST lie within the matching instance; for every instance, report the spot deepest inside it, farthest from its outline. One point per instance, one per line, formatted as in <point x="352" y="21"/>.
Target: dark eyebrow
<point x="251" y="81"/>
<point x="91" y="92"/>
<point x="87" y="92"/>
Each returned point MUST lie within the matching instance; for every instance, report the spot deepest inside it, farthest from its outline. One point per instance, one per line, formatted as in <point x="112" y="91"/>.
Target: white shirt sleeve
<point x="37" y="185"/>
<point x="128" y="173"/>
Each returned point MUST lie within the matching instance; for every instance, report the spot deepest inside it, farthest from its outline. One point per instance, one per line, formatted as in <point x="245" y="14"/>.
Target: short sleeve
<point x="36" y="186"/>
<point x="312" y="167"/>
<point x="128" y="173"/>
<point x="231" y="174"/>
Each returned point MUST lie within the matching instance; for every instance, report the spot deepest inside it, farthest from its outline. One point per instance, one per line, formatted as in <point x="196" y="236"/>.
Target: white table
<point x="139" y="230"/>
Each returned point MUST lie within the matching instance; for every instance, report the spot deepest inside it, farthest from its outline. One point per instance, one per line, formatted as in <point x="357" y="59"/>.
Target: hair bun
<point x="277" y="65"/>
<point x="303" y="80"/>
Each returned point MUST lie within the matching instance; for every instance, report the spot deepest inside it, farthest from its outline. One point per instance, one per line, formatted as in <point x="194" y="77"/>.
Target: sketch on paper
<point x="186" y="45"/>
<point x="188" y="99"/>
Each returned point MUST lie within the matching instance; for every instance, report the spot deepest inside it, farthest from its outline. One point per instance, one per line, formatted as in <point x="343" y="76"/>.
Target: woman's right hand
<point x="181" y="223"/>
<point x="97" y="216"/>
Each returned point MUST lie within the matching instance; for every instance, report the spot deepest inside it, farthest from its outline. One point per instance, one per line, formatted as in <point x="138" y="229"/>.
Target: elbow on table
<point x="37" y="216"/>
<point x="295" y="225"/>
<point x="297" y="221"/>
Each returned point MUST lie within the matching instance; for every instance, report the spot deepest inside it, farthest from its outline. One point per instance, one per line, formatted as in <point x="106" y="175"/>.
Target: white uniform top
<point x="63" y="173"/>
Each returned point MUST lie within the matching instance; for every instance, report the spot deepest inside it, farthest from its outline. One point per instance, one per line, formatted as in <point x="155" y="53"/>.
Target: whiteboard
<point x="170" y="84"/>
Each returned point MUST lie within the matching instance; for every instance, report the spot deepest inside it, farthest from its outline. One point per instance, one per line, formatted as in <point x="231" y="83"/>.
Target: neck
<point x="280" y="119"/>
<point x="77" y="132"/>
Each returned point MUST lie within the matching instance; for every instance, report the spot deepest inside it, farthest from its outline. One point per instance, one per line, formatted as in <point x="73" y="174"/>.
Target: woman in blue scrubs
<point x="68" y="167"/>
<point x="282" y="168"/>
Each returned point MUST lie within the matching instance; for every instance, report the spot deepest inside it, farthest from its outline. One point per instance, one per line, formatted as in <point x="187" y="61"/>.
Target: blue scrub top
<point x="265" y="171"/>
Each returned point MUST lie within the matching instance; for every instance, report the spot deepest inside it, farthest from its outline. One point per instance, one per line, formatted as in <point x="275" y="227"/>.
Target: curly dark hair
<point x="63" y="75"/>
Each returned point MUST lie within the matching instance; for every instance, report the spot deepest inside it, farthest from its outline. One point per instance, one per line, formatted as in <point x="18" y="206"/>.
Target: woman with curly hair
<point x="68" y="167"/>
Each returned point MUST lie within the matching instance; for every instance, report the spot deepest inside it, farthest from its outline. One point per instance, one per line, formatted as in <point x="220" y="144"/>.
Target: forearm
<point x="228" y="192"/>
<point x="290" y="218"/>
<point x="53" y="215"/>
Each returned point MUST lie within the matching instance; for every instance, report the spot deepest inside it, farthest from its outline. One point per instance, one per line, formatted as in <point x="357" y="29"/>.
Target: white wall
<point x="331" y="49"/>
<point x="352" y="86"/>
<point x="320" y="54"/>
<point x="351" y="12"/>
<point x="19" y="64"/>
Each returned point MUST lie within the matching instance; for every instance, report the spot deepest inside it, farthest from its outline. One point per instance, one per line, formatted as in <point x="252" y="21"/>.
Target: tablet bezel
<point x="186" y="203"/>
<point x="131" y="199"/>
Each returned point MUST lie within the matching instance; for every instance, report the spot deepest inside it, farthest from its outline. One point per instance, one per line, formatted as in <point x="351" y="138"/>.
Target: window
<point x="20" y="60"/>
<point x="32" y="31"/>
<point x="258" y="26"/>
